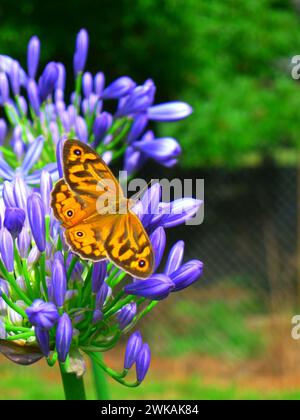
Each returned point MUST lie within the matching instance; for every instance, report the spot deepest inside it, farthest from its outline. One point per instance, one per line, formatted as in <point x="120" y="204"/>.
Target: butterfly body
<point x="96" y="215"/>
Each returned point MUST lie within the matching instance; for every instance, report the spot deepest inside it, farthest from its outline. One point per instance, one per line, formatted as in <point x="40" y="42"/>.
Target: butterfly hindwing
<point x="129" y="247"/>
<point x="120" y="237"/>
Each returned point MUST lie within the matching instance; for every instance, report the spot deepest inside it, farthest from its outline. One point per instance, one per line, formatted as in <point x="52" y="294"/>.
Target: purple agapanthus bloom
<point x="50" y="296"/>
<point x="32" y="155"/>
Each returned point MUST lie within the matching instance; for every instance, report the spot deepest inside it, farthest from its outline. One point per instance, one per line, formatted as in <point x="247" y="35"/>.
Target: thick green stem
<point x="73" y="386"/>
<point x="100" y="382"/>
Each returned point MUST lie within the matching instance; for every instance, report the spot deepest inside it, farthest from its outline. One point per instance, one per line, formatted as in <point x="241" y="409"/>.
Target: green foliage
<point x="22" y="383"/>
<point x="215" y="328"/>
<point x="229" y="59"/>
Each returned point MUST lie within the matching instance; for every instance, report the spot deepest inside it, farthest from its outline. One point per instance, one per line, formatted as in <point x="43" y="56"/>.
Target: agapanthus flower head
<point x="51" y="297"/>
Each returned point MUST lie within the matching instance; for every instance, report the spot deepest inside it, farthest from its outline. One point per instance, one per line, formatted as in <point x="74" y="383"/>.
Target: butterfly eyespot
<point x="77" y="152"/>
<point x="142" y="263"/>
<point x="79" y="234"/>
<point x="70" y="213"/>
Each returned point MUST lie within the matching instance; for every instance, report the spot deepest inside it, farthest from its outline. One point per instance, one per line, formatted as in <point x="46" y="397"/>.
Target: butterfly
<point x="96" y="215"/>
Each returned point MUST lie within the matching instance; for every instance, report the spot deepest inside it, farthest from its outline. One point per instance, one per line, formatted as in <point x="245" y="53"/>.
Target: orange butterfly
<point x="99" y="223"/>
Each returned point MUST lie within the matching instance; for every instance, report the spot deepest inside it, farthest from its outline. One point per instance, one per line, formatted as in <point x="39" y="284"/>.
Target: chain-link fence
<point x="249" y="290"/>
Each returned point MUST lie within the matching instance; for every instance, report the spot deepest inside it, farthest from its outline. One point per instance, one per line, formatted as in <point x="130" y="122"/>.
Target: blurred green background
<point x="229" y="336"/>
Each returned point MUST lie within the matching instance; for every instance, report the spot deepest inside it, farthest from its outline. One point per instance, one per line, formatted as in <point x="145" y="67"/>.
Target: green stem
<point x="73" y="386"/>
<point x="22" y="336"/>
<point x="13" y="306"/>
<point x="119" y="377"/>
<point x="100" y="382"/>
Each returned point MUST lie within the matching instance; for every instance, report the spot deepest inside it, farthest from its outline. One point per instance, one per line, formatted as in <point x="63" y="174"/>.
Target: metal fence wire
<point x="249" y="244"/>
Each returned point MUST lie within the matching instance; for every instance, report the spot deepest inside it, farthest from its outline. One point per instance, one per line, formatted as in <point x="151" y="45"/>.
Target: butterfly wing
<point x="87" y="174"/>
<point x="21" y="354"/>
<point x="121" y="237"/>
<point x="68" y="207"/>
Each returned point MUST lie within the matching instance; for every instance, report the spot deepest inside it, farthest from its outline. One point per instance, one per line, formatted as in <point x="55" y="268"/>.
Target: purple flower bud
<point x="64" y="336"/>
<point x="164" y="150"/>
<point x="3" y="289"/>
<point x="8" y="194"/>
<point x="98" y="276"/>
<point x="61" y="78"/>
<point x="43" y="339"/>
<point x="4" y="88"/>
<point x="7" y="249"/>
<point x="150" y="202"/>
<point x="179" y="211"/>
<point x="59" y="149"/>
<point x="97" y="316"/>
<point x="107" y="157"/>
<point x="23" y="243"/>
<point x="102" y="295"/>
<point x="71" y="294"/>
<point x="158" y="240"/>
<point x="126" y="315"/>
<point x="15" y="77"/>
<point x="59" y="279"/>
<point x="143" y="362"/>
<point x="87" y="84"/>
<point x="170" y="111"/>
<point x="99" y="82"/>
<point x="23" y="105"/>
<point x="3" y="333"/>
<point x="33" y="56"/>
<point x="54" y="132"/>
<point x="133" y="347"/>
<point x="14" y="220"/>
<point x="48" y="80"/>
<point x="133" y="160"/>
<point x="36" y="216"/>
<point x="137" y="128"/>
<point x="187" y="274"/>
<point x="137" y="101"/>
<point x="175" y="258"/>
<point x="156" y="287"/>
<point x="120" y="87"/>
<point x="45" y="189"/>
<point x="20" y="193"/>
<point x="81" y="51"/>
<point x="42" y="314"/>
<point x="3" y="131"/>
<point x="33" y="96"/>
<point x="33" y="154"/>
<point x="21" y="283"/>
<point x="19" y="148"/>
<point x="33" y="256"/>
<point x="102" y="123"/>
<point x="81" y="129"/>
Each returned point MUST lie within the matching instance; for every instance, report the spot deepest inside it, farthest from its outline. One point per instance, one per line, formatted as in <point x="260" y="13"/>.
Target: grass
<point x="216" y="328"/>
<point x="39" y="383"/>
